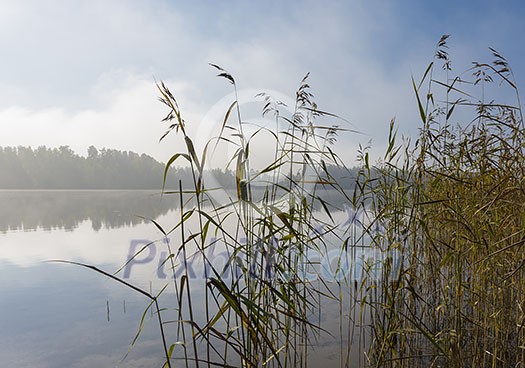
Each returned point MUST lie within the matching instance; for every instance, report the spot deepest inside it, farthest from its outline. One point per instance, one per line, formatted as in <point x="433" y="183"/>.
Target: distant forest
<point x="61" y="168"/>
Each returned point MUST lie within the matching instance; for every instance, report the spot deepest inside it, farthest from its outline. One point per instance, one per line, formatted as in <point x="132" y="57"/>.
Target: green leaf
<point x="191" y="151"/>
<point x="168" y="164"/>
<point x="429" y="68"/>
<point x="422" y="113"/>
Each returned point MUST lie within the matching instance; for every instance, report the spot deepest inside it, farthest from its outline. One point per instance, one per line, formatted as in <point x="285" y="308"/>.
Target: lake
<point x="63" y="315"/>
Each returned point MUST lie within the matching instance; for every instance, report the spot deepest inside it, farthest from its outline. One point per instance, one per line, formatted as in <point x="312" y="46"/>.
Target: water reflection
<point x="58" y="312"/>
<point x="55" y="317"/>
<point x="48" y="209"/>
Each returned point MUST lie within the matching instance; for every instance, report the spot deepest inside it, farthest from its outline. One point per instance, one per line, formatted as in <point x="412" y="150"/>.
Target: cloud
<point x="129" y="119"/>
<point x="55" y="51"/>
<point x="84" y="71"/>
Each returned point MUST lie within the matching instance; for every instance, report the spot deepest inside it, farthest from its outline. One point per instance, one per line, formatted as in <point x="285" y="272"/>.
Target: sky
<point x="83" y="73"/>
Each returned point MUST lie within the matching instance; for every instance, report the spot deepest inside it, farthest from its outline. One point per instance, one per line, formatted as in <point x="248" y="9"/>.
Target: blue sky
<point x="79" y="73"/>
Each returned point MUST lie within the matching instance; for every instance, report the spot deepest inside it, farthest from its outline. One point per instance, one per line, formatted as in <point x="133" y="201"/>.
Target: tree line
<point x="61" y="168"/>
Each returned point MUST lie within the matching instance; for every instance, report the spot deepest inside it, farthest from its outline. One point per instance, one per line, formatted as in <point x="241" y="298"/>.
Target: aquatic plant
<point x="453" y="206"/>
<point x="443" y="218"/>
<point x="258" y="312"/>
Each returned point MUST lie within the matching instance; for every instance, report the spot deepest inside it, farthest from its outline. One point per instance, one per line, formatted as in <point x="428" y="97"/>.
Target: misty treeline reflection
<point x="50" y="209"/>
<point x="55" y="188"/>
<point x="27" y="210"/>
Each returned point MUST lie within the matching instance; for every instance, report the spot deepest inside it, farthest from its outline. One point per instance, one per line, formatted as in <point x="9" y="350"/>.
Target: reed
<point x="453" y="206"/>
<point x="259" y="310"/>
<point x="444" y="217"/>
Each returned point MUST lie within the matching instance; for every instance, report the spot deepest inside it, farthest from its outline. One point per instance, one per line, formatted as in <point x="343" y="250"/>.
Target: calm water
<point x="61" y="315"/>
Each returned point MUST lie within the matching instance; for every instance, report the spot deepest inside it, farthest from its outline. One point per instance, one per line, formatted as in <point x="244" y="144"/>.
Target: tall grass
<point x="258" y="310"/>
<point x="454" y="209"/>
<point x="444" y="216"/>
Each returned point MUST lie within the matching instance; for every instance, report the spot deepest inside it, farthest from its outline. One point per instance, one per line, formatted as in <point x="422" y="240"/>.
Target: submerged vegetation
<point x="444" y="283"/>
